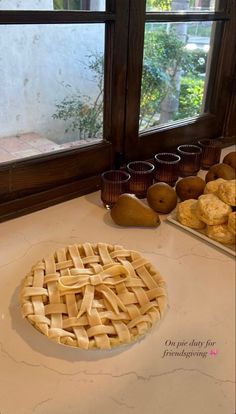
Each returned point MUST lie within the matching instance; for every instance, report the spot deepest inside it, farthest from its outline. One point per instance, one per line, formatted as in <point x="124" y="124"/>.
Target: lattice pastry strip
<point x="93" y="296"/>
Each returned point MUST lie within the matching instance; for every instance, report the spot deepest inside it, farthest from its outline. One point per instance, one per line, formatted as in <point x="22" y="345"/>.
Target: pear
<point x="220" y="170"/>
<point x="190" y="187"/>
<point x="130" y="211"/>
<point x="230" y="159"/>
<point x="161" y="197"/>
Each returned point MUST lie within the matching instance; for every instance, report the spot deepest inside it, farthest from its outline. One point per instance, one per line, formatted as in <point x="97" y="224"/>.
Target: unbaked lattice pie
<point x="93" y="296"/>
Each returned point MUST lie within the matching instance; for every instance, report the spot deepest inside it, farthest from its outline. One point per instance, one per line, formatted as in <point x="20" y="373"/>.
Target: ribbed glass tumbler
<point x="211" y="152"/>
<point x="113" y="184"/>
<point x="141" y="173"/>
<point x="190" y="162"/>
<point x="167" y="167"/>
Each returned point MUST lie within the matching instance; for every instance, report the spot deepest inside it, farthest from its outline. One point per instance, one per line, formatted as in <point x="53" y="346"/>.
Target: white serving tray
<point x="200" y="233"/>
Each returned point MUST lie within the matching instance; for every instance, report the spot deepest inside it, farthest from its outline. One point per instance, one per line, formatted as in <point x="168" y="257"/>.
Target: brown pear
<point x="190" y="187"/>
<point x="220" y="170"/>
<point x="161" y="197"/>
<point x="130" y="211"/>
<point x="230" y="159"/>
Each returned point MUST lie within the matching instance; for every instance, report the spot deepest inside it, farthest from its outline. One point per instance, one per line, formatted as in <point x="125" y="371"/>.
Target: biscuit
<point x="212" y="186"/>
<point x="212" y="210"/>
<point x="227" y="192"/>
<point x="221" y="233"/>
<point x="232" y="222"/>
<point x="186" y="214"/>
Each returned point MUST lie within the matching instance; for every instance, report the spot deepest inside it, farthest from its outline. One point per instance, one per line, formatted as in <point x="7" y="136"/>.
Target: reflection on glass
<point x="79" y="4"/>
<point x="179" y="5"/>
<point x="93" y="5"/>
<point x="51" y="87"/>
<point x="174" y="71"/>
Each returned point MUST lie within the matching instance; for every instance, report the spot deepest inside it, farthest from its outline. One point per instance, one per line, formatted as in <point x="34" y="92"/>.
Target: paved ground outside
<point x="31" y="144"/>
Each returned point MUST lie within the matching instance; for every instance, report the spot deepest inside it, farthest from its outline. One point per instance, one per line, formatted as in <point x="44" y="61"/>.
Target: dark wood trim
<point x="223" y="89"/>
<point x="110" y="6"/>
<point x="229" y="123"/>
<point x="33" y="202"/>
<point x="229" y="127"/>
<point x="48" y="156"/>
<point x="108" y="65"/>
<point x="28" y="176"/>
<point x="177" y="124"/>
<point x="185" y="17"/>
<point x="135" y="62"/>
<point x="168" y="137"/>
<point x="53" y="17"/>
<point x="108" y="59"/>
<point x="119" y="74"/>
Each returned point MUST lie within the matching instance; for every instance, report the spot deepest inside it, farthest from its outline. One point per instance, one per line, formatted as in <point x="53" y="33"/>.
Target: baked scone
<point x="186" y="214"/>
<point x="93" y="296"/>
<point x="221" y="233"/>
<point x="227" y="192"/>
<point x="212" y="210"/>
<point x="212" y="186"/>
<point x="232" y="222"/>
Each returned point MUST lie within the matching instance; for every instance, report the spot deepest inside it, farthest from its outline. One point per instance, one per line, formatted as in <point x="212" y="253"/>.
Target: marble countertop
<point x="185" y="365"/>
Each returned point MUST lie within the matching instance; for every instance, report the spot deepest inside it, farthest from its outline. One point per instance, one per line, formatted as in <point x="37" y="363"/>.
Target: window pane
<point x="174" y="71"/>
<point x="93" y="5"/>
<point x="178" y="5"/>
<point x="79" y="4"/>
<point x="51" y="89"/>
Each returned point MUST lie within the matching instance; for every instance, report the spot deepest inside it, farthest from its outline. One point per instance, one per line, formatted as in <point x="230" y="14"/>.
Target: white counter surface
<point x="38" y="376"/>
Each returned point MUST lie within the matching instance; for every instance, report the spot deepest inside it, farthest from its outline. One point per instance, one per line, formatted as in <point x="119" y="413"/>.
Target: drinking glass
<point x="190" y="162"/>
<point x="113" y="184"/>
<point x="211" y="151"/>
<point x="141" y="173"/>
<point x="167" y="167"/>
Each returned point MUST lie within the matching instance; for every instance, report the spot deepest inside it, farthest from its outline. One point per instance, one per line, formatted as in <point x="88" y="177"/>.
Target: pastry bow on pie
<point x="93" y="296"/>
<point x="112" y="276"/>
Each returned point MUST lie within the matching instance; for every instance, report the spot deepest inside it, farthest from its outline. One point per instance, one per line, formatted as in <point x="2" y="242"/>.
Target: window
<point x="56" y="99"/>
<point x="101" y="83"/>
<point x="43" y="5"/>
<point x="49" y="107"/>
<point x="174" y="95"/>
<point x="174" y="77"/>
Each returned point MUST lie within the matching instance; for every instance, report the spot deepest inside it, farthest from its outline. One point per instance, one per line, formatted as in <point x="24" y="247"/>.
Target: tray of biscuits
<point x="210" y="217"/>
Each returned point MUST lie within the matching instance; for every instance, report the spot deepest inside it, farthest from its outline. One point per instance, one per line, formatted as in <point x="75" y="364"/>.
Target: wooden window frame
<point x="211" y="124"/>
<point x="29" y="184"/>
<point x="36" y="182"/>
